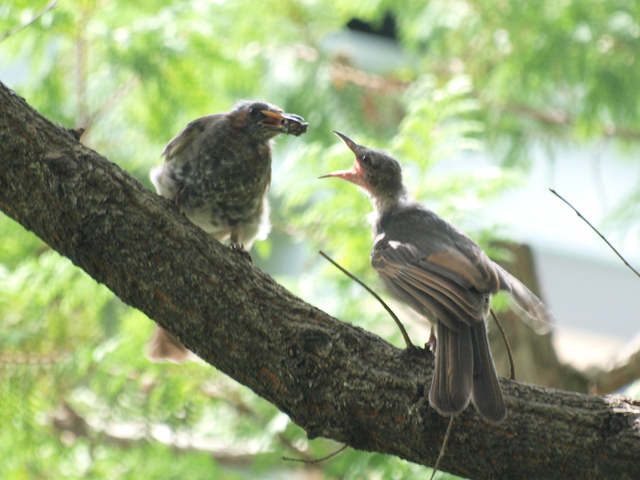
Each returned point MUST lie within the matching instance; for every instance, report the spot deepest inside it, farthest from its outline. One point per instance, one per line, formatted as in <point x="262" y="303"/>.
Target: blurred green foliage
<point x="78" y="399"/>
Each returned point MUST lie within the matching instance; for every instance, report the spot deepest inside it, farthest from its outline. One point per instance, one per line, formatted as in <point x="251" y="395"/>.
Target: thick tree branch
<point x="333" y="379"/>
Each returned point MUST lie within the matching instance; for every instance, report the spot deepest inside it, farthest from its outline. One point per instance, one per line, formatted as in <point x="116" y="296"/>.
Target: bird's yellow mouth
<point x="355" y="174"/>
<point x="273" y="118"/>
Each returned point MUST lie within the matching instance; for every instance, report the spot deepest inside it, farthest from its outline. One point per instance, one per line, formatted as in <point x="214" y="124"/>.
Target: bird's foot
<point x="239" y="248"/>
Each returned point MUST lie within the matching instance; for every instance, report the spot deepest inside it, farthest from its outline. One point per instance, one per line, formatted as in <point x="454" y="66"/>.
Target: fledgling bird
<point x="218" y="172"/>
<point x="442" y="274"/>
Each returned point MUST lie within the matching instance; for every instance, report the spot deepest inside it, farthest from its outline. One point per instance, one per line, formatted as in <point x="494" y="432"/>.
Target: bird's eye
<point x="253" y="111"/>
<point x="365" y="160"/>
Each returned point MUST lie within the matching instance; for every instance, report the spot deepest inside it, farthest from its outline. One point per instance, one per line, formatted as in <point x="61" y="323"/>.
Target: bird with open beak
<point x="443" y="275"/>
<point x="217" y="171"/>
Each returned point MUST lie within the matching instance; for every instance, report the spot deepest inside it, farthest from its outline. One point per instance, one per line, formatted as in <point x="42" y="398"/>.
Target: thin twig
<point x="407" y="340"/>
<point x="114" y="99"/>
<point x="313" y="462"/>
<point x="233" y="399"/>
<point x="595" y="230"/>
<point x="81" y="77"/>
<point x="596" y="170"/>
<point x="560" y="117"/>
<point x="443" y="448"/>
<point x="16" y="29"/>
<point x="512" y="373"/>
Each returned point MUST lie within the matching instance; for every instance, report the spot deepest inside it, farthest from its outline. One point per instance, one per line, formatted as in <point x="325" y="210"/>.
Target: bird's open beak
<point x="354" y="174"/>
<point x="285" y="122"/>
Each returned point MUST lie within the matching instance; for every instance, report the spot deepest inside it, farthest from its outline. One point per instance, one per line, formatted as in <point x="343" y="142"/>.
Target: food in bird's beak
<point x="286" y="122"/>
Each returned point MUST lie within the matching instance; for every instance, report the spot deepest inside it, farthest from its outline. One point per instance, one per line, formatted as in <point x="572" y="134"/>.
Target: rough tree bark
<point x="333" y="379"/>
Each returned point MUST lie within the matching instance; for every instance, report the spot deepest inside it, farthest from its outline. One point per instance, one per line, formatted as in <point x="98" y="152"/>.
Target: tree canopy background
<point x="77" y="396"/>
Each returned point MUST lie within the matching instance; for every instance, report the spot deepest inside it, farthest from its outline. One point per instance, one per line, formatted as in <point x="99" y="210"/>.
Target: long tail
<point x="450" y="391"/>
<point x="465" y="371"/>
<point x="486" y="393"/>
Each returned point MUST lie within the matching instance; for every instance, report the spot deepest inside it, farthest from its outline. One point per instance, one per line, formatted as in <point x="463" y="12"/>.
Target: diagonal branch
<point x="562" y="118"/>
<point x="596" y="230"/>
<point x="333" y="379"/>
<point x="342" y="73"/>
<point x="14" y="30"/>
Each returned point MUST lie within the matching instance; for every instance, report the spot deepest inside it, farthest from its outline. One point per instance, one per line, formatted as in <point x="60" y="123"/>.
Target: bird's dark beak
<point x="350" y="143"/>
<point x="285" y="122"/>
<point x="354" y="174"/>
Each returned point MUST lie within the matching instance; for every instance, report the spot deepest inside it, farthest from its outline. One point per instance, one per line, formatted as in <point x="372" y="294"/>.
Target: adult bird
<point x="443" y="275"/>
<point x="217" y="171"/>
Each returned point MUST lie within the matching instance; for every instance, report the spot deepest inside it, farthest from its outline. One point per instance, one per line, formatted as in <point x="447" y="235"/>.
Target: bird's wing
<point x="454" y="272"/>
<point x="495" y="278"/>
<point x="443" y="282"/>
<point x="188" y="135"/>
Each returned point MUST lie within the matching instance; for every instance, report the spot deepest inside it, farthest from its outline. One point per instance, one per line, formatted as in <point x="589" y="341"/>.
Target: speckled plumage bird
<point x="443" y="275"/>
<point x="218" y="172"/>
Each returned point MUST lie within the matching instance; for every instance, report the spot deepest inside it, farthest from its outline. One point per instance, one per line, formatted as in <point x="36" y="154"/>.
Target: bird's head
<point x="264" y="121"/>
<point x="375" y="171"/>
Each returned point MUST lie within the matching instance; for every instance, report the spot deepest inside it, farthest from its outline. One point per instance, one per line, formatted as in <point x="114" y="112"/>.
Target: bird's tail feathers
<point x="486" y="393"/>
<point x="450" y="391"/>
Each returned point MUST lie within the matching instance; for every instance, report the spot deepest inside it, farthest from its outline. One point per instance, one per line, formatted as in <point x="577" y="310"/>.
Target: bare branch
<point x="317" y="460"/>
<point x="512" y="363"/>
<point x="595" y="230"/>
<point x="444" y="446"/>
<point x="404" y="333"/>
